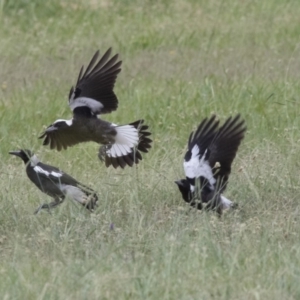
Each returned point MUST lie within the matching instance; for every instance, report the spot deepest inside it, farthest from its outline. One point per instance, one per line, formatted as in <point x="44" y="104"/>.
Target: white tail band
<point x="126" y="139"/>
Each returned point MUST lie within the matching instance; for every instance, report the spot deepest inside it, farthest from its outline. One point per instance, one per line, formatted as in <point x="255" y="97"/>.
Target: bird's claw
<point x="45" y="205"/>
<point x="48" y="206"/>
<point x="102" y="151"/>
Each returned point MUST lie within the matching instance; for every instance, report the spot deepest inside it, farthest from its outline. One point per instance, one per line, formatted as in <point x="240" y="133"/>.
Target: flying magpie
<point x="207" y="162"/>
<point x="55" y="183"/>
<point x="94" y="95"/>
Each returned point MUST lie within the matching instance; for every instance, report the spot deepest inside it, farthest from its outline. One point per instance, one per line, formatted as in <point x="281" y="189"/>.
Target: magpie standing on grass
<point x="207" y="162"/>
<point x="93" y="95"/>
<point x="56" y="183"/>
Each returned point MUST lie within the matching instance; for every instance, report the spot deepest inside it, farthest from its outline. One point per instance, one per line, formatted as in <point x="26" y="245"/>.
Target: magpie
<point x="93" y="95"/>
<point x="55" y="183"/>
<point x="207" y="162"/>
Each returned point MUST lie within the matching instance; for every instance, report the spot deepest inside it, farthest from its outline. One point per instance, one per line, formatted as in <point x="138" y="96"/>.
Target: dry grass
<point x="182" y="61"/>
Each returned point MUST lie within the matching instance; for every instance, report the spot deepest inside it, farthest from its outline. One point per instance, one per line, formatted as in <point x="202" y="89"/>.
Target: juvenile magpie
<point x="55" y="183"/>
<point x="94" y="95"/>
<point x="207" y="162"/>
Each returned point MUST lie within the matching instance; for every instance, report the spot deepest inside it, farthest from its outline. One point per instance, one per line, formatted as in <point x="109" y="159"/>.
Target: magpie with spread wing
<point x="207" y="162"/>
<point x="93" y="95"/>
<point x="55" y="183"/>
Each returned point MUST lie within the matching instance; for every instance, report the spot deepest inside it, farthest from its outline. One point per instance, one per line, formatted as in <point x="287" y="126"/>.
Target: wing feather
<point x="224" y="148"/>
<point x="63" y="136"/>
<point x="211" y="150"/>
<point x="94" y="87"/>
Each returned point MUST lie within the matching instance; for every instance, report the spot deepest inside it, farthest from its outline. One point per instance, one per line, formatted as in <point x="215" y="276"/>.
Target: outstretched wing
<point x="224" y="147"/>
<point x="63" y="134"/>
<point x="196" y="158"/>
<point x="204" y="134"/>
<point x="94" y="87"/>
<point x="126" y="151"/>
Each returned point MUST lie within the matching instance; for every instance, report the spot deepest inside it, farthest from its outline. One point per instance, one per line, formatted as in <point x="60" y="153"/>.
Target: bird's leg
<point x="45" y="205"/>
<point x="234" y="205"/>
<point x="215" y="204"/>
<point x="196" y="202"/>
<point x="102" y="151"/>
<point x="55" y="203"/>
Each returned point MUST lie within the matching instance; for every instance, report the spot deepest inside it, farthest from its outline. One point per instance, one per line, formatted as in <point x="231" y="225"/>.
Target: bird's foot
<point x="102" y="151"/>
<point x="48" y="206"/>
<point x="43" y="206"/>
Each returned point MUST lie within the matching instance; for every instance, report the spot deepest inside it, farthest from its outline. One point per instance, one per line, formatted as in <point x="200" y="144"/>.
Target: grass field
<point x="182" y="61"/>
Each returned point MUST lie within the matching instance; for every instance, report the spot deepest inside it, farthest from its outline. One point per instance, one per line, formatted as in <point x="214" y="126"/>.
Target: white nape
<point x="34" y="160"/>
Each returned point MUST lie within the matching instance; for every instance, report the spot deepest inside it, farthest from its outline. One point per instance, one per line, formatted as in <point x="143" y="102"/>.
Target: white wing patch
<point x="40" y="170"/>
<point x="68" y="122"/>
<point x="126" y="139"/>
<point x="93" y="105"/>
<point x="196" y="167"/>
<point x="56" y="174"/>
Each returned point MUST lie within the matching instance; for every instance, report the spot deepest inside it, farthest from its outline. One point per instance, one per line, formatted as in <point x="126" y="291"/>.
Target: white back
<point x="93" y="105"/>
<point x="197" y="166"/>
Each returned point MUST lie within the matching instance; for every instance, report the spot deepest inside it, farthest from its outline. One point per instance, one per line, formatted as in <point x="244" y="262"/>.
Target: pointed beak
<point x="15" y="152"/>
<point x="178" y="182"/>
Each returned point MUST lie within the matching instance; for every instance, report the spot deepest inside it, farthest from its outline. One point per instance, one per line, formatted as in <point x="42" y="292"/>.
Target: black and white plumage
<point x="207" y="162"/>
<point x="94" y="95"/>
<point x="55" y="183"/>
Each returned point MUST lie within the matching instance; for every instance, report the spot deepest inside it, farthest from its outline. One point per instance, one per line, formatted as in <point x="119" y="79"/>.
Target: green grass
<point x="182" y="61"/>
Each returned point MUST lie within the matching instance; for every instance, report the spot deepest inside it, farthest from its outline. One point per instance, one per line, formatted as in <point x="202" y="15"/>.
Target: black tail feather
<point x="135" y="156"/>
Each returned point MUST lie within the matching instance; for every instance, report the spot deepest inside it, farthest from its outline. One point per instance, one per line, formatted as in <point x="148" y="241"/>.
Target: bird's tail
<point x="129" y="141"/>
<point x="226" y="203"/>
<point x="84" y="195"/>
<point x="91" y="202"/>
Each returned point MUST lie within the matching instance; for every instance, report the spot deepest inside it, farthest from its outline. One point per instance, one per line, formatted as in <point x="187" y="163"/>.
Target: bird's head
<point x="25" y="154"/>
<point x="185" y="189"/>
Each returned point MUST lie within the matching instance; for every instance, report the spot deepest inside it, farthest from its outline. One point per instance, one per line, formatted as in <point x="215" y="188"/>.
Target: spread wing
<point x="223" y="149"/>
<point x="204" y="134"/>
<point x="63" y="134"/>
<point x="196" y="158"/>
<point x="94" y="87"/>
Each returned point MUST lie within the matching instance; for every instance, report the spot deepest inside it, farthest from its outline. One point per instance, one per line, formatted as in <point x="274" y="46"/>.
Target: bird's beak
<point x="16" y="153"/>
<point x="178" y="182"/>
